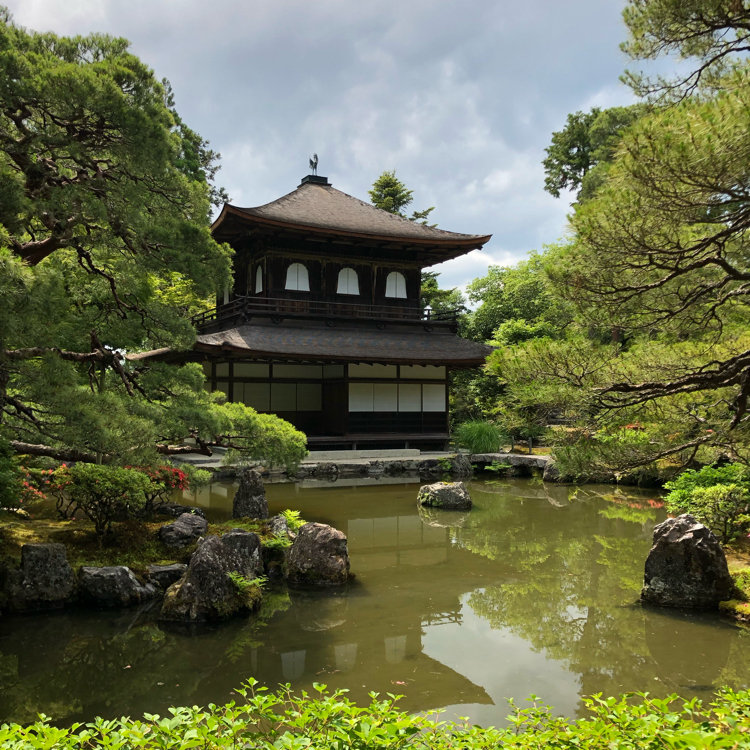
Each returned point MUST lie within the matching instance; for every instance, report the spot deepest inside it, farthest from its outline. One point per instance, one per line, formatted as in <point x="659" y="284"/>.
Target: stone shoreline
<point x="432" y="465"/>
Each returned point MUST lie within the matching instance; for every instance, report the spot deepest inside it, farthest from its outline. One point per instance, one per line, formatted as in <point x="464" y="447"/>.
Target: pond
<point x="533" y="591"/>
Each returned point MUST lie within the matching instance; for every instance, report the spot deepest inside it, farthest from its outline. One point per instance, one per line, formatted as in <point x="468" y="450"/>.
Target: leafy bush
<point x="163" y="480"/>
<point x="102" y="493"/>
<point x="480" y="437"/>
<point x="718" y="496"/>
<point x="330" y="721"/>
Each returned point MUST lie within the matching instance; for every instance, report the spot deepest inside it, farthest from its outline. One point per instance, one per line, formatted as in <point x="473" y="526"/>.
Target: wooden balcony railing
<point x="242" y="309"/>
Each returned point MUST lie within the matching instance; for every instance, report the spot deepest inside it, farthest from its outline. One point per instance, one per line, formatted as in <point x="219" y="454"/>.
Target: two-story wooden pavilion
<point x="324" y="325"/>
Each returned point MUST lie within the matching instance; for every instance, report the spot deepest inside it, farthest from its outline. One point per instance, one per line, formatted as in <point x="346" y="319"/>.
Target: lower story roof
<point x="303" y="342"/>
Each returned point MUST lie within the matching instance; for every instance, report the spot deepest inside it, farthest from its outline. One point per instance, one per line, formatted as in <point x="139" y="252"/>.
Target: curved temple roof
<point x="346" y="344"/>
<point x="319" y="207"/>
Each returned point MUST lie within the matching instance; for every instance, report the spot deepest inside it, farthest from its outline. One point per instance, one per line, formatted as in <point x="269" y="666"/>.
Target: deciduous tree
<point x="579" y="155"/>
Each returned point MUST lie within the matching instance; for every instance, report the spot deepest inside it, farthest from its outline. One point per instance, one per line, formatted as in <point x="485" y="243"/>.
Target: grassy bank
<point x="329" y="721"/>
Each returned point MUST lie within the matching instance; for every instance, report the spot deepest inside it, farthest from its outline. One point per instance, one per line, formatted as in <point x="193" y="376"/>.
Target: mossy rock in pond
<point x="207" y="591"/>
<point x="445" y="495"/>
<point x="318" y="557"/>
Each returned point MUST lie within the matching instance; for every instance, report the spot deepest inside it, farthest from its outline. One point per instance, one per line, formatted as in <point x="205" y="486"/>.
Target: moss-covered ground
<point x="134" y="543"/>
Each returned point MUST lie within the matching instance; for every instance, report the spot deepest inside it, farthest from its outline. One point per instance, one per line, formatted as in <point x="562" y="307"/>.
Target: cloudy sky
<point x="459" y="97"/>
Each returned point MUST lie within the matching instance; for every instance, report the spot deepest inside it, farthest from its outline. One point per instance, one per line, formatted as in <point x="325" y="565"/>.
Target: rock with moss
<point x="686" y="566"/>
<point x="211" y="588"/>
<point x="445" y="495"/>
<point x="44" y="579"/>
<point x="278" y="526"/>
<point x="319" y="556"/>
<point x="250" y="498"/>
<point x="188" y="528"/>
<point x="164" y="576"/>
<point x="113" y="587"/>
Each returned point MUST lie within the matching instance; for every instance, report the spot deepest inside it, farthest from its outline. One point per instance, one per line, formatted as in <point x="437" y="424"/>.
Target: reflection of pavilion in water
<point x="375" y="629"/>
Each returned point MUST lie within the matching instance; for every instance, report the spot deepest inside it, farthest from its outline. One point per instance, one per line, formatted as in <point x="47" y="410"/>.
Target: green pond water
<point x="533" y="591"/>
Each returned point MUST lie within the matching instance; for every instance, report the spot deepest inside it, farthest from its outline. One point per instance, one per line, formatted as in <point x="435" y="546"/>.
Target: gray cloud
<point x="459" y="97"/>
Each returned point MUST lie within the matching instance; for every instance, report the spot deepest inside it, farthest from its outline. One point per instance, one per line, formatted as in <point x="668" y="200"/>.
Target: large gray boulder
<point x="207" y="591"/>
<point x="44" y="580"/>
<point x="445" y="495"/>
<point x="686" y="566"/>
<point x="112" y="587"/>
<point x="250" y="498"/>
<point x="187" y="529"/>
<point x="318" y="557"/>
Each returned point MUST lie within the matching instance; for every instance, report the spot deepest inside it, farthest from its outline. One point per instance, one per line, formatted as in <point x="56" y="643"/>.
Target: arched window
<point x="348" y="282"/>
<point x="297" y="279"/>
<point x="395" y="285"/>
<point x="259" y="280"/>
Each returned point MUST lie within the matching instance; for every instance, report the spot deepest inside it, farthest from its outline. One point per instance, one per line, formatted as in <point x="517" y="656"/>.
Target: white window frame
<point x="395" y="285"/>
<point x="348" y="282"/>
<point x="297" y="278"/>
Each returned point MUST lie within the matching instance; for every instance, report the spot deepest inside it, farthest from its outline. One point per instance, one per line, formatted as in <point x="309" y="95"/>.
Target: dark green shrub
<point x="102" y="493"/>
<point x="479" y="437"/>
<point x="718" y="497"/>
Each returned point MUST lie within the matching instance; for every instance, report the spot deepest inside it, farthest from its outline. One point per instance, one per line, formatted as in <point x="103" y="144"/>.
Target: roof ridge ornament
<point x="314" y="164"/>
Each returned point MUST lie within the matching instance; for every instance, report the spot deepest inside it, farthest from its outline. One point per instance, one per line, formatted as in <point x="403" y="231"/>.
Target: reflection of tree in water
<point x="97" y="663"/>
<point x="81" y="663"/>
<point x="570" y="577"/>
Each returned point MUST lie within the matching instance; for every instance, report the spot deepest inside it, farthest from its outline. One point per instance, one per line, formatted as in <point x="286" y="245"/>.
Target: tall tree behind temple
<point x="390" y="194"/>
<point x="579" y="155"/>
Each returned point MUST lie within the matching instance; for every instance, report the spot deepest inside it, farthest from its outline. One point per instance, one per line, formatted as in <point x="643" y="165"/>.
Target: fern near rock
<point x="250" y="498"/>
<point x="686" y="567"/>
<point x="445" y="495"/>
<point x="318" y="557"/>
<point x="207" y="591"/>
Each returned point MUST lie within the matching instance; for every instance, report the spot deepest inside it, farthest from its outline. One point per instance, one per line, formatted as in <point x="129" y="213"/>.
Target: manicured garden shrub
<point x="163" y="481"/>
<point x="717" y="496"/>
<point x="102" y="493"/>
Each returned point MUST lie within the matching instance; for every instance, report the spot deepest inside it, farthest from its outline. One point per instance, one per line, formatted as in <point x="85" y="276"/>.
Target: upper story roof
<point x="317" y="208"/>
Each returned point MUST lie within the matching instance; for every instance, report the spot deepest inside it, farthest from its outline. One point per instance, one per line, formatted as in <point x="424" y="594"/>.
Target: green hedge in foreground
<point x="329" y="721"/>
